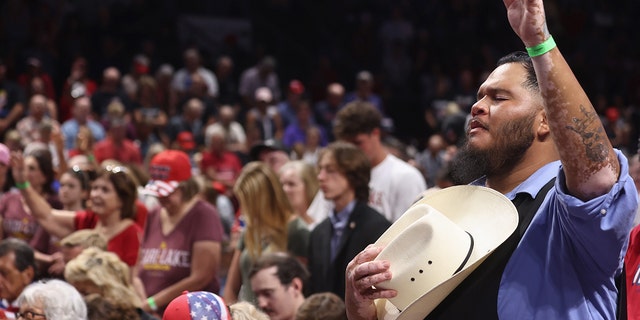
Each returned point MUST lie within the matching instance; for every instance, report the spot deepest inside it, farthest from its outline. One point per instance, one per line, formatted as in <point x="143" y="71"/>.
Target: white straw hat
<point x="437" y="243"/>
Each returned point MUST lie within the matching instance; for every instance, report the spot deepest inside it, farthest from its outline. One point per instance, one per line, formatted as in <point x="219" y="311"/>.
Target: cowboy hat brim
<point x="485" y="214"/>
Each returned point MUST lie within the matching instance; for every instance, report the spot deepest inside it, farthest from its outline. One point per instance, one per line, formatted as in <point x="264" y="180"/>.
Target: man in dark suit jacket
<point x="344" y="173"/>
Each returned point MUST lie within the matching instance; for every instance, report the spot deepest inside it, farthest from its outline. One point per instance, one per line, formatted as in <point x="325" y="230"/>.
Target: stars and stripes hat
<point x="197" y="305"/>
<point x="167" y="169"/>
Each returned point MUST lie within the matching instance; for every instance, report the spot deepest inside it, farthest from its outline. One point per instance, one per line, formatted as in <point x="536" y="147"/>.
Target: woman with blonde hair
<point x="300" y="183"/>
<point x="95" y="271"/>
<point x="271" y="226"/>
<point x="246" y="311"/>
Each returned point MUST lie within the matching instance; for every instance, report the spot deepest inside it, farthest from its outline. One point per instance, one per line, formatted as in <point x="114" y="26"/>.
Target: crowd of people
<point x="152" y="184"/>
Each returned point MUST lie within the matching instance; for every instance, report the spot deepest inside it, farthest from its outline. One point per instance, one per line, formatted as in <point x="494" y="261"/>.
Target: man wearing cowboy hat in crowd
<point x="531" y="123"/>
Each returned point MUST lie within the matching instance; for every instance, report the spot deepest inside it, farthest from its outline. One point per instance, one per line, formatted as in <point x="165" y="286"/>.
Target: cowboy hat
<point x="437" y="243"/>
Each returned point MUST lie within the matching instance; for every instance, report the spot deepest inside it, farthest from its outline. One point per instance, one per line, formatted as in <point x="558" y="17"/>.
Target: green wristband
<point x="152" y="304"/>
<point x="22" y="185"/>
<point x="542" y="48"/>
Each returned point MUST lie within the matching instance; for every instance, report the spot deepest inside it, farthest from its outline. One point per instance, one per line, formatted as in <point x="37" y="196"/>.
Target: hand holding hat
<point x="362" y="274"/>
<point x="427" y="253"/>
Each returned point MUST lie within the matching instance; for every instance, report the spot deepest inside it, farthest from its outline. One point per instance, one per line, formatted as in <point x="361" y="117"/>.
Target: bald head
<point x="111" y="77"/>
<point x="335" y="89"/>
<point x="37" y="106"/>
<point x="227" y="115"/>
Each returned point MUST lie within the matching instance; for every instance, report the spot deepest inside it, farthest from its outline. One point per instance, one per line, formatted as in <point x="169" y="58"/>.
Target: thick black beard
<point x="469" y="165"/>
<point x="512" y="141"/>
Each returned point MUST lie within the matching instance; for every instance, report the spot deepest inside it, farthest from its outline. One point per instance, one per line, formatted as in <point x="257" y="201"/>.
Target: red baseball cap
<point x="296" y="87"/>
<point x="185" y="140"/>
<point x="167" y="169"/>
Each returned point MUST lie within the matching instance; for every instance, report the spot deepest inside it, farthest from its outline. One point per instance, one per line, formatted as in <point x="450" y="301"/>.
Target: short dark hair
<point x="353" y="164"/>
<point x="523" y="59"/>
<point x="356" y="118"/>
<point x="24" y="254"/>
<point x="288" y="268"/>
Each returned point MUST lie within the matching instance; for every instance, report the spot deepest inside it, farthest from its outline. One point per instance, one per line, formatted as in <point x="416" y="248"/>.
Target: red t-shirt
<point x="227" y="166"/>
<point x="632" y="275"/>
<point x="128" y="152"/>
<point x="3" y="315"/>
<point x="166" y="259"/>
<point x="125" y="244"/>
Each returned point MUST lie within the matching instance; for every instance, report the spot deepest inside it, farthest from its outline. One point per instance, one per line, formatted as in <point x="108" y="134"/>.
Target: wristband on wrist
<point x="22" y="185"/>
<point x="542" y="48"/>
<point x="152" y="304"/>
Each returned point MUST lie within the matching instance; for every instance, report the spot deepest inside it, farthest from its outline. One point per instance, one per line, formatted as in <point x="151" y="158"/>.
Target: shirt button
<point x="603" y="211"/>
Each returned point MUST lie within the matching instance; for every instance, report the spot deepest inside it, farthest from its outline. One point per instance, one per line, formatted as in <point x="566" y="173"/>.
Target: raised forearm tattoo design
<point x="592" y="140"/>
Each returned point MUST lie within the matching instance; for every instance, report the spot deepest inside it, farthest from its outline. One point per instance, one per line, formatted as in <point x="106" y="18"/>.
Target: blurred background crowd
<point x="420" y="54"/>
<point x="103" y="86"/>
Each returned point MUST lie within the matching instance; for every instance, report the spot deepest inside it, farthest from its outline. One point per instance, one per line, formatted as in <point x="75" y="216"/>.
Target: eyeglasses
<point x="29" y="315"/>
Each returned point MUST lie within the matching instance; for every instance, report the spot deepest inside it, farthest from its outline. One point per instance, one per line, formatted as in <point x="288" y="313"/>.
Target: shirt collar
<point x="531" y="185"/>
<point x="343" y="214"/>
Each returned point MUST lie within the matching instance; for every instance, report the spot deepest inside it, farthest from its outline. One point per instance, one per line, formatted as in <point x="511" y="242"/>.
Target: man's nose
<point x="478" y="108"/>
<point x="262" y="303"/>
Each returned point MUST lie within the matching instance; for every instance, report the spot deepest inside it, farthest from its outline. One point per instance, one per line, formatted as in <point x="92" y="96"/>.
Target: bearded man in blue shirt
<point x="532" y="123"/>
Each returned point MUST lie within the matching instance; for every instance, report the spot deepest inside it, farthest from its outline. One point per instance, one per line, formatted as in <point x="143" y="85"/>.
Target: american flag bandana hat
<point x="167" y="169"/>
<point x="197" y="305"/>
<point x="161" y="188"/>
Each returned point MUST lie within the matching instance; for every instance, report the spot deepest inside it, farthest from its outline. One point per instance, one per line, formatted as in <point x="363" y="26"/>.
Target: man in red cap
<point x="289" y="107"/>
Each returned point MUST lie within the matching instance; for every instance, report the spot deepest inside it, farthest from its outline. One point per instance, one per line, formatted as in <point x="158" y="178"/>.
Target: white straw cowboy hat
<point x="437" y="243"/>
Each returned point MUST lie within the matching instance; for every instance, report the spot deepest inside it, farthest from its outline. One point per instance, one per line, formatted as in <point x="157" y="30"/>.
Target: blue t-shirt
<point x="565" y="264"/>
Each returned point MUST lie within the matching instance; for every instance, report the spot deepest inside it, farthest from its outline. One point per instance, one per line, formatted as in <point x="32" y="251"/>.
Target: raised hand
<point x="17" y="167"/>
<point x="527" y="18"/>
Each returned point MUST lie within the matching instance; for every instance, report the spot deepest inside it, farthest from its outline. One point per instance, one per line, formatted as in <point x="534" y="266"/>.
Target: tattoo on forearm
<point x="592" y="134"/>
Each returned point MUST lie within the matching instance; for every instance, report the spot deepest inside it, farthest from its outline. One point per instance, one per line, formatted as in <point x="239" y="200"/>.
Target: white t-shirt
<point x="395" y="185"/>
<point x="319" y="209"/>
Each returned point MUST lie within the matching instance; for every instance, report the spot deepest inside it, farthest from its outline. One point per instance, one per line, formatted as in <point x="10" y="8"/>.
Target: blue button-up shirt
<point x="339" y="221"/>
<point x="565" y="264"/>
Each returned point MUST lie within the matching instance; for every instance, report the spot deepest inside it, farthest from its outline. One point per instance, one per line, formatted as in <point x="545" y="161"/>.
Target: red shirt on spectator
<point x="126" y="152"/>
<point x="125" y="244"/>
<point x="224" y="167"/>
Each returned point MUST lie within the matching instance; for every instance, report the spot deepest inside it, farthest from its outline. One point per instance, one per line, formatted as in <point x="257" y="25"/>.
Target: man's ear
<point x="28" y="275"/>
<point x="377" y="132"/>
<point x="296" y="283"/>
<point x="542" y="125"/>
